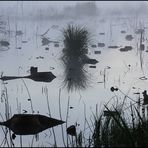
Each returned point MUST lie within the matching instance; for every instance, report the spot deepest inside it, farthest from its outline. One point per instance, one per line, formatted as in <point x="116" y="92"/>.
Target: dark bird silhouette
<point x="39" y="76"/>
<point x="28" y="124"/>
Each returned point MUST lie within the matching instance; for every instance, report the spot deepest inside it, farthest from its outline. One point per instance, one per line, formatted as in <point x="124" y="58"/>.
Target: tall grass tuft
<point x="120" y="129"/>
<point x="76" y="40"/>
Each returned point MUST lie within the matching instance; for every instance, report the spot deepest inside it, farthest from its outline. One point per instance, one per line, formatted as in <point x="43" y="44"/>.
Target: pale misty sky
<point x="61" y="4"/>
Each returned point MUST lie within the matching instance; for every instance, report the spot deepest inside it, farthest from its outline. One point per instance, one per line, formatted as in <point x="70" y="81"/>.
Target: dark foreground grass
<point x="115" y="130"/>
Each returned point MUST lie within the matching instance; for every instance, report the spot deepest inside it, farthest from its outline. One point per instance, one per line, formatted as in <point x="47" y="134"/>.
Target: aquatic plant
<point x="120" y="128"/>
<point x="76" y="40"/>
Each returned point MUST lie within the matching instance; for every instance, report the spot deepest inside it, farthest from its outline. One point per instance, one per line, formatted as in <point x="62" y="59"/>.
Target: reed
<point x="76" y="40"/>
<point x="115" y="130"/>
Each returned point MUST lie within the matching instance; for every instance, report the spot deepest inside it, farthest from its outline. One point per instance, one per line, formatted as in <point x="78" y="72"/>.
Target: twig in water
<point x="29" y="96"/>
<point x="46" y="92"/>
<point x="61" y="117"/>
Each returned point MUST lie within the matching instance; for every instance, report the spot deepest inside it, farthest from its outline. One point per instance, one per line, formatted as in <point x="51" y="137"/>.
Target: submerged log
<point x="28" y="124"/>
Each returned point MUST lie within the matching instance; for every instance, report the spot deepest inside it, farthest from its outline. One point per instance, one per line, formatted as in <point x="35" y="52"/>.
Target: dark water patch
<point x="101" y="33"/>
<point x="39" y="57"/>
<point x="97" y="52"/>
<point x="47" y="48"/>
<point x="56" y="45"/>
<point x="113" y="46"/>
<point x="19" y="33"/>
<point x="92" y="66"/>
<point x="126" y="48"/>
<point x="142" y="47"/>
<point x="123" y="32"/>
<point x="94" y="46"/>
<point x="129" y="37"/>
<point x="90" y="61"/>
<point x="4" y="43"/>
<point x="24" y="42"/>
<point x="18" y="47"/>
<point x="101" y="44"/>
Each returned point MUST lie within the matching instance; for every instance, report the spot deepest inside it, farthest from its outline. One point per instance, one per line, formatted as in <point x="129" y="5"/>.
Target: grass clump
<point x="118" y="130"/>
<point x="76" y="40"/>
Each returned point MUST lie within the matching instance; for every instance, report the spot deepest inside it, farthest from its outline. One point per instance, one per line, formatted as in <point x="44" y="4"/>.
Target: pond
<point x="114" y="69"/>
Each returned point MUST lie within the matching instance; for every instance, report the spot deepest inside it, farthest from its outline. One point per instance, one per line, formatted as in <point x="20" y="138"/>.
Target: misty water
<point x="121" y="69"/>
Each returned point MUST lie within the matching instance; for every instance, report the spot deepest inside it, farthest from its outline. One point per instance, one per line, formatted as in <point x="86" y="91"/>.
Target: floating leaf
<point x="28" y="124"/>
<point x="71" y="130"/>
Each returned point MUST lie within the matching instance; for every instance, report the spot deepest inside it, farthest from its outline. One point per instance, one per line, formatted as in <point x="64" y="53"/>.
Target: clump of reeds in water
<point x="116" y="130"/>
<point x="76" y="40"/>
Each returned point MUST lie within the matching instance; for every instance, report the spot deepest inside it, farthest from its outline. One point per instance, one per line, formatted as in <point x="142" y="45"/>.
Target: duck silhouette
<point x="35" y="75"/>
<point x="39" y="76"/>
<point x="29" y="124"/>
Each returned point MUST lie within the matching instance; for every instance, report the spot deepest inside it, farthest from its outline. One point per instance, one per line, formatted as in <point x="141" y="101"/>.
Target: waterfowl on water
<point x="39" y="76"/>
<point x="29" y="124"/>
